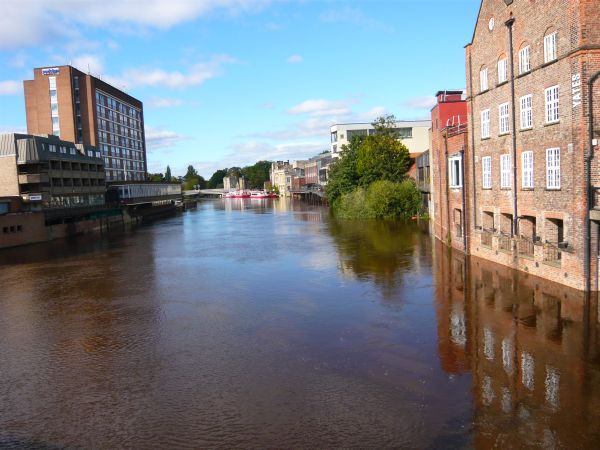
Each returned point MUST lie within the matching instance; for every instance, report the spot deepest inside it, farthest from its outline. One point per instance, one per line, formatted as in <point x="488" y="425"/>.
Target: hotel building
<point x="414" y="134"/>
<point x="83" y="109"/>
<point x="532" y="145"/>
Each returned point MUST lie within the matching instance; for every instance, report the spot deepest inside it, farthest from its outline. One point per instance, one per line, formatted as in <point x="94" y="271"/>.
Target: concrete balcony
<point x="33" y="178"/>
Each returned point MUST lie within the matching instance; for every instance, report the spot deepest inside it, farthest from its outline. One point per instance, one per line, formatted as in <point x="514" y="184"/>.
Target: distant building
<point x="281" y="176"/>
<point x="47" y="172"/>
<point x="414" y="134"/>
<point x="231" y="182"/>
<point x="317" y="169"/>
<point x="80" y="108"/>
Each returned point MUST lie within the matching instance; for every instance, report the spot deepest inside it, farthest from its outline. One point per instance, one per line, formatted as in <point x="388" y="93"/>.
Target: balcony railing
<point x="486" y="238"/>
<point x="526" y="246"/>
<point x="552" y="254"/>
<point x="505" y="242"/>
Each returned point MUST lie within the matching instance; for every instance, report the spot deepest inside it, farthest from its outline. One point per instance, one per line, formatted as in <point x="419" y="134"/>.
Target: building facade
<point x="449" y="152"/>
<point x="83" y="109"/>
<point x="47" y="172"/>
<point x="281" y="177"/>
<point x="414" y="134"/>
<point x="528" y="68"/>
<point x="317" y="169"/>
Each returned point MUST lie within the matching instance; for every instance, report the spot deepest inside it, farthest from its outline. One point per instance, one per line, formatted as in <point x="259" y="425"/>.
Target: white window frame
<point x="485" y="124"/>
<point x="552" y="99"/>
<point x="526" y="103"/>
<point x="550" y="47"/>
<point x="505" y="171"/>
<point x="527" y="180"/>
<point x="553" y="168"/>
<point x="483" y="80"/>
<point x="502" y="70"/>
<point x="503" y="118"/>
<point x="524" y="60"/>
<point x="455" y="180"/>
<point x="486" y="172"/>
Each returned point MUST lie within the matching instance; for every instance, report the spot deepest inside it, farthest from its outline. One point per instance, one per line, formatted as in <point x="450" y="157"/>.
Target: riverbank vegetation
<point x="255" y="175"/>
<point x="369" y="179"/>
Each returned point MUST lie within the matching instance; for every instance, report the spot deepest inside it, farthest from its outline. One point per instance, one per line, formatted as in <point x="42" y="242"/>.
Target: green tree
<point x="156" y="177"/>
<point x="382" y="156"/>
<point x="257" y="174"/>
<point x="216" y="179"/>
<point x="191" y="172"/>
<point x="343" y="175"/>
<point x="168" y="178"/>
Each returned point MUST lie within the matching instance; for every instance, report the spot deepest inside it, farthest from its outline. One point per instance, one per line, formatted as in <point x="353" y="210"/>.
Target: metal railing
<point x="505" y="242"/>
<point x="525" y="246"/>
<point x="486" y="238"/>
<point x="552" y="254"/>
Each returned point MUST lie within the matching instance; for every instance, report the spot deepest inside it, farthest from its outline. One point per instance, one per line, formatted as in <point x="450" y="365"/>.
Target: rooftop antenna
<point x="89" y="69"/>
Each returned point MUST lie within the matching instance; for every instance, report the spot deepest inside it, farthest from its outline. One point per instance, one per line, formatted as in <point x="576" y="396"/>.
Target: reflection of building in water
<point x="531" y="347"/>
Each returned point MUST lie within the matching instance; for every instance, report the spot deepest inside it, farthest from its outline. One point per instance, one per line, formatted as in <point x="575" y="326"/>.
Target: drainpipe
<point x="473" y="174"/>
<point x="509" y="23"/>
<point x="463" y="212"/>
<point x="449" y="230"/>
<point x="590" y="196"/>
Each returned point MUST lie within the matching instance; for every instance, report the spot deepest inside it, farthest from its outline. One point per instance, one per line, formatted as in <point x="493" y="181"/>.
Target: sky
<point x="230" y="82"/>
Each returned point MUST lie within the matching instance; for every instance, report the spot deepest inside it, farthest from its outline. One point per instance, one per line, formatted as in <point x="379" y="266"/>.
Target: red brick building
<point x="83" y="109"/>
<point x="528" y="67"/>
<point x="449" y="148"/>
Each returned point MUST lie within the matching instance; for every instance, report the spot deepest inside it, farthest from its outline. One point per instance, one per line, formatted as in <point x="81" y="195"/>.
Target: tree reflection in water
<point x="379" y="251"/>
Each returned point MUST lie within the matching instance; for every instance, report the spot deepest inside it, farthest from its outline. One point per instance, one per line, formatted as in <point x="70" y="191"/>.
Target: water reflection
<point x="531" y="347"/>
<point x="270" y="324"/>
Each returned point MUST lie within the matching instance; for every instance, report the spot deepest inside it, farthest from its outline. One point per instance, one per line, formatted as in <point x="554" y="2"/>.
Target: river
<point x="253" y="324"/>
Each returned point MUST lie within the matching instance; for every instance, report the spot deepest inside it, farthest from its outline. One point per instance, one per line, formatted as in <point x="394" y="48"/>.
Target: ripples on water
<point x="256" y="325"/>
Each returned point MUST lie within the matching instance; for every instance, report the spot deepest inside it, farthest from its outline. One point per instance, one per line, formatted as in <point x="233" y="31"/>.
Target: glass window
<point x="502" y="70"/>
<point x="505" y="171"/>
<point x="550" y="47"/>
<point x="524" y="62"/>
<point x="526" y="112"/>
<point x="552" y="104"/>
<point x="483" y="80"/>
<point x="485" y="123"/>
<point x="553" y="168"/>
<point x="527" y="162"/>
<point x="486" y="164"/>
<point x="455" y="172"/>
<point x="504" y="125"/>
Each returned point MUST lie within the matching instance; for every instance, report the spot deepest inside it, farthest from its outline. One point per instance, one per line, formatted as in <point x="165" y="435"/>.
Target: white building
<point x="414" y="134"/>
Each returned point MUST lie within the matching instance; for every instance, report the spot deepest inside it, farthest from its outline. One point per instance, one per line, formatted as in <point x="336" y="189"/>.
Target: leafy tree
<point x="257" y="174"/>
<point x="156" y="177"/>
<point x="216" y="179"/>
<point x="382" y="156"/>
<point x="343" y="175"/>
<point x="191" y="172"/>
<point x="168" y="178"/>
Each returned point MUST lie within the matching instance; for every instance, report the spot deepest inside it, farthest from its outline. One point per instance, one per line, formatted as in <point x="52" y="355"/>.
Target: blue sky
<point x="230" y="82"/>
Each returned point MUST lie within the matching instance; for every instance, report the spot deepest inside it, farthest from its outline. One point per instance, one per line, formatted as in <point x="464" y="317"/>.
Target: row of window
<point x="117" y="163"/>
<point x="109" y="138"/>
<point x="550" y="54"/>
<point x="552" y="113"/>
<point x="455" y="176"/>
<point x="117" y="118"/>
<point x="107" y="101"/>
<point x="54" y="106"/>
<point x="113" y="175"/>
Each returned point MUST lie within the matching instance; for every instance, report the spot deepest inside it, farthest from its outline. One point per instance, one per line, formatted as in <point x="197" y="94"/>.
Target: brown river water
<point x="261" y="324"/>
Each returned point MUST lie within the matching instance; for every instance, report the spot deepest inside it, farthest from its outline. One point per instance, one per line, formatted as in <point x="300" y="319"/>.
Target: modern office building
<point x="83" y="109"/>
<point x="48" y="172"/>
<point x="414" y="134"/>
<point x="532" y="140"/>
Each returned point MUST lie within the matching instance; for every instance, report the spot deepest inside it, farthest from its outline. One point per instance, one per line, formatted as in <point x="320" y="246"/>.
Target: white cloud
<point x="196" y="75"/>
<point x="355" y="17"/>
<point x="157" y="138"/>
<point x="11" y="87"/>
<point x="422" y="102"/>
<point x="322" y="107"/>
<point x="294" y="59"/>
<point x="162" y="102"/>
<point x="89" y="63"/>
<point x="34" y="21"/>
<point x="19" y="60"/>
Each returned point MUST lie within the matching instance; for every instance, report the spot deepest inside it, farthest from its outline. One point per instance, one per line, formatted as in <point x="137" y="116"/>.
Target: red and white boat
<point x="263" y="194"/>
<point x="236" y="194"/>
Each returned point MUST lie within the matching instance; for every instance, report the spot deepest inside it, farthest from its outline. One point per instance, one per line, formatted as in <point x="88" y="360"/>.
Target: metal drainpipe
<point x="590" y="197"/>
<point x="473" y="175"/>
<point x="449" y="230"/>
<point x="463" y="212"/>
<point x="509" y="23"/>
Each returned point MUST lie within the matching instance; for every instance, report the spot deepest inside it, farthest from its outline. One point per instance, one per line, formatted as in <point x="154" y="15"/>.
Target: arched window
<point x="502" y="69"/>
<point x="550" y="45"/>
<point x="524" y="58"/>
<point x="483" y="79"/>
